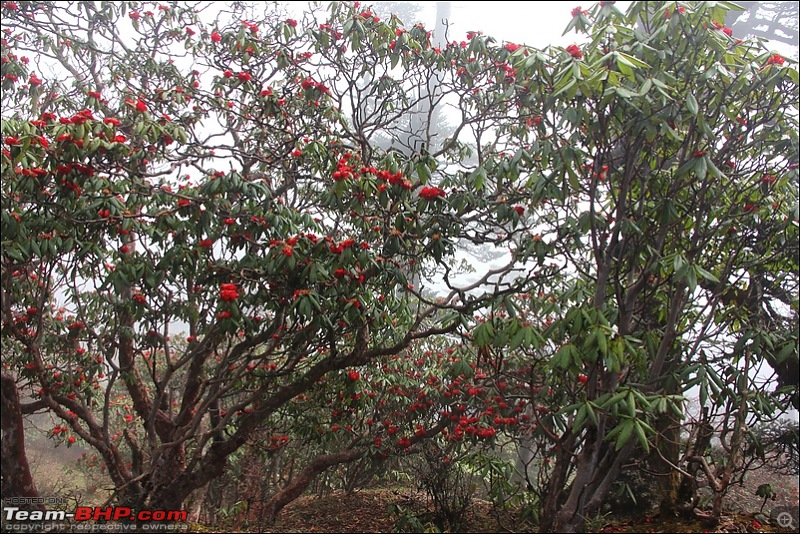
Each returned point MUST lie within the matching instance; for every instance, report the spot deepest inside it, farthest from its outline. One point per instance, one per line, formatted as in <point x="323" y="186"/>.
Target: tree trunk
<point x="669" y="479"/>
<point x="302" y="480"/>
<point x="17" y="478"/>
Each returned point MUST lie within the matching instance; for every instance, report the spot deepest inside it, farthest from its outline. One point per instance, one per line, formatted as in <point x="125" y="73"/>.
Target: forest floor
<point x="383" y="509"/>
<point x="376" y="510"/>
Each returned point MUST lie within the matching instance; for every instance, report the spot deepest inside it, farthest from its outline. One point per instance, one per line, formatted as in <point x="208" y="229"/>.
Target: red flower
<point x="134" y="15"/>
<point x="511" y="47"/>
<point x="582" y="378"/>
<point x="140" y="298"/>
<point x="228" y="73"/>
<point x="776" y="59"/>
<point x="224" y="315"/>
<point x="206" y="243"/>
<point x="10" y="6"/>
<point x="750" y="207"/>
<point x="124" y="249"/>
<point x="578" y="11"/>
<point x="228" y="292"/>
<point x="727" y="31"/>
<point x="71" y="439"/>
<point x="244" y="77"/>
<point x="112" y="121"/>
<point x="699" y="153"/>
<point x="287" y="250"/>
<point x="431" y="193"/>
<point x="183" y="202"/>
<point x="296" y="153"/>
<point x="520" y="210"/>
<point x="189" y="31"/>
<point x="13" y="141"/>
<point x="353" y="375"/>
<point x="574" y="51"/>
<point x="340" y="273"/>
<point x="291" y="22"/>
<point x="141" y="107"/>
<point x="34" y="80"/>
<point x="216" y="37"/>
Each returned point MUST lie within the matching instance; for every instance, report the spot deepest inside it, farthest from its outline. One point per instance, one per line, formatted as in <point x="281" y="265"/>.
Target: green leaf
<point x="691" y="104"/>
<point x="642" y="437"/>
<point x="705" y="274"/>
<point x="701" y="167"/>
<point x="626" y="430"/>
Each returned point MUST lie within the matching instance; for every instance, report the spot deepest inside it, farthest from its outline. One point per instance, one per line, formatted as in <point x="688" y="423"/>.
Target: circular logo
<point x="784" y="519"/>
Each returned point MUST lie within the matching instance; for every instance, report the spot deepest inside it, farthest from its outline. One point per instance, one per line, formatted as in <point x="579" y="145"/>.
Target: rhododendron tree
<point x="217" y="231"/>
<point x="210" y="205"/>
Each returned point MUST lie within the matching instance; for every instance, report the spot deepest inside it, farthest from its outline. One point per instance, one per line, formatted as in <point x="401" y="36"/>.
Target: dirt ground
<point x="369" y="511"/>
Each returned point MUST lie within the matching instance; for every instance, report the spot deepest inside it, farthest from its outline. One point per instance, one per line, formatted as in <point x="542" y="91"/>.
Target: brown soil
<point x="370" y="511"/>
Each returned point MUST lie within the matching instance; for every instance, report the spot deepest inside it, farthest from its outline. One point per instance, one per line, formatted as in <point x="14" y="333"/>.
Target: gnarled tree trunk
<point x="17" y="478"/>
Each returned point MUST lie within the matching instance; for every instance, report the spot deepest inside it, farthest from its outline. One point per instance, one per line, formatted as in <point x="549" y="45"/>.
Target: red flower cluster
<point x="291" y="22"/>
<point x="347" y="243"/>
<point x="726" y="31"/>
<point x="79" y="118"/>
<point x="344" y="170"/>
<point x="228" y="292"/>
<point x="34" y="80"/>
<point x="216" y="37"/>
<point x="578" y="11"/>
<point x="309" y="83"/>
<point x="511" y="47"/>
<point x="244" y="77"/>
<point x="140" y="106"/>
<point x="776" y="59"/>
<point x="574" y="51"/>
<point x="431" y="193"/>
<point x="206" y="243"/>
<point x="353" y="375"/>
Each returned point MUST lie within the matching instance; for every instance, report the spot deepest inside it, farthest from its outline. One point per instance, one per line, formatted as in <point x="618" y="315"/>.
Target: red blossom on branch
<point x="776" y="59"/>
<point x="574" y="51"/>
<point x="431" y="193"/>
<point x="578" y="11"/>
<point x="228" y="292"/>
